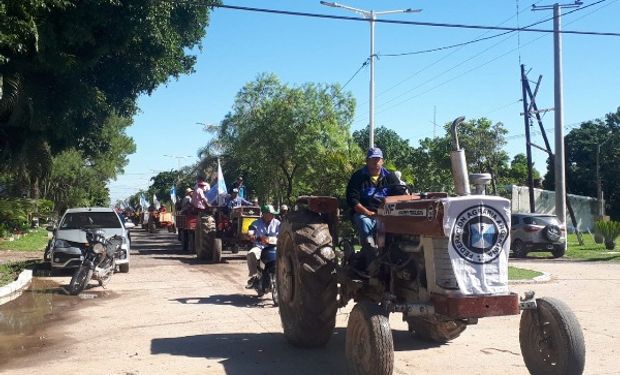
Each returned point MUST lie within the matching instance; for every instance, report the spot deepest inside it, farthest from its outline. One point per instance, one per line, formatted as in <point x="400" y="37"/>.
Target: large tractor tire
<point x="191" y="241"/>
<point x="551" y="339"/>
<point x="205" y="238"/>
<point x="217" y="250"/>
<point x="306" y="284"/>
<point x="152" y="227"/>
<point x="431" y="329"/>
<point x="369" y="344"/>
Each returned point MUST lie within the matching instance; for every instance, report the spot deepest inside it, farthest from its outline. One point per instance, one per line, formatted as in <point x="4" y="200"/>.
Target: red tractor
<point x="441" y="262"/>
<point x="216" y="230"/>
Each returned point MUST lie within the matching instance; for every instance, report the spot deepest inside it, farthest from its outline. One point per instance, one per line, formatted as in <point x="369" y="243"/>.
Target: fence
<point x="585" y="208"/>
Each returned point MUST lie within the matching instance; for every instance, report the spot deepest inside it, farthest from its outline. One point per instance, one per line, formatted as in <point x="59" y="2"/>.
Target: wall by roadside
<point x="584" y="207"/>
<point x="16" y="288"/>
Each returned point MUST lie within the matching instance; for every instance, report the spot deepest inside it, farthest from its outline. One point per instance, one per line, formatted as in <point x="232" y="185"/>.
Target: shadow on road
<point x="270" y="353"/>
<point x="237" y="300"/>
<point x="257" y="353"/>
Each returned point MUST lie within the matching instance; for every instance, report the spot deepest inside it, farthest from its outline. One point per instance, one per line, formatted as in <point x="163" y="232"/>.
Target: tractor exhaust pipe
<point x="458" y="161"/>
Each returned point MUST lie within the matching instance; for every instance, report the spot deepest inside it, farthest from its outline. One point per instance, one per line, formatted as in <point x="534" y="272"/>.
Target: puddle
<point x="25" y="320"/>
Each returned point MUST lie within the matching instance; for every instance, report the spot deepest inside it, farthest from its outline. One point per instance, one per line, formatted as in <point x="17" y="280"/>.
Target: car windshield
<point x="541" y="220"/>
<point x="78" y="220"/>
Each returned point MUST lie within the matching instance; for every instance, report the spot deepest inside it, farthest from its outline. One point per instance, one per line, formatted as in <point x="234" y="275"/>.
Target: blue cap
<point x="374" y="152"/>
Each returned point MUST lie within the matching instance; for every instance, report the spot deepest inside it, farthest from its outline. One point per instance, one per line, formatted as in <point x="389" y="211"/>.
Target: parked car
<point x="537" y="232"/>
<point x="69" y="239"/>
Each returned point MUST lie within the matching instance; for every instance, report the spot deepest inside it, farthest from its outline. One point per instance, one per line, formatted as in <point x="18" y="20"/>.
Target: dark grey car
<point x="537" y="232"/>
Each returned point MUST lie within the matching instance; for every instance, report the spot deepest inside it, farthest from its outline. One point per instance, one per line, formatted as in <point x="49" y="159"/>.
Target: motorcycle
<point x="97" y="260"/>
<point x="266" y="280"/>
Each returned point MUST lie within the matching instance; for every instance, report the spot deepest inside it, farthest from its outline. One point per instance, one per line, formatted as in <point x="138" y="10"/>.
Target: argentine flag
<point x="156" y="202"/>
<point x="143" y="202"/>
<point x="217" y="195"/>
<point x="173" y="194"/>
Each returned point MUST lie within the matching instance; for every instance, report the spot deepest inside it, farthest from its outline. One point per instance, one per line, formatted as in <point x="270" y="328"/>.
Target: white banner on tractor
<point x="478" y="228"/>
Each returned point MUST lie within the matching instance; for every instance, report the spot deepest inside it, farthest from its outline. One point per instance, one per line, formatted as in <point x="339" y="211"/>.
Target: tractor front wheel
<point x="369" y="345"/>
<point x="551" y="339"/>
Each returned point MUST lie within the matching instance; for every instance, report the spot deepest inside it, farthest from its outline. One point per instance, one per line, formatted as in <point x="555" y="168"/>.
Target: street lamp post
<point x="178" y="159"/>
<point x="371" y="15"/>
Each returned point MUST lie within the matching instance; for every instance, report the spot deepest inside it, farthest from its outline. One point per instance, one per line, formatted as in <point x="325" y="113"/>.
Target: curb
<point x="545" y="277"/>
<point x="16" y="288"/>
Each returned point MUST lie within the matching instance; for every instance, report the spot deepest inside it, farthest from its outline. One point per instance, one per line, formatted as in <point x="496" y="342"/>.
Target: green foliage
<point x="431" y="165"/>
<point x="287" y="141"/>
<point x="581" y="146"/>
<point x="68" y="67"/>
<point x="609" y="229"/>
<point x="396" y="150"/>
<point x="161" y="185"/>
<point x="16" y="213"/>
<point x="518" y="171"/>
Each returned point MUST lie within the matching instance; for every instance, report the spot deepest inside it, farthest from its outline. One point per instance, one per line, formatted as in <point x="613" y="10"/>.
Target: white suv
<point x="65" y="248"/>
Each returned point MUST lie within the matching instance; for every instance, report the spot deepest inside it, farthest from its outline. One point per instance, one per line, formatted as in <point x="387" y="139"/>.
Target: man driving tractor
<point x="366" y="189"/>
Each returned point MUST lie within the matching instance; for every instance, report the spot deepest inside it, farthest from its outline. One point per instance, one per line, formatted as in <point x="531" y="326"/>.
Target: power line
<point x="395" y="22"/>
<point x="364" y="64"/>
<point x="476" y="67"/>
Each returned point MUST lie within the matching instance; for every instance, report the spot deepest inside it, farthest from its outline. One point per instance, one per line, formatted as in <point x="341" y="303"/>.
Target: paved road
<point x="174" y="315"/>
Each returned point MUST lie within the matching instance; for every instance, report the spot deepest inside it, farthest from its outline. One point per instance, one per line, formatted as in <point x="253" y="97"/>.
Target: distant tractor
<point x="216" y="230"/>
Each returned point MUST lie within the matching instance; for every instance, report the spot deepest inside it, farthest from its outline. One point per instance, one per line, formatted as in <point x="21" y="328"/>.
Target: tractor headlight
<point x="98" y="248"/>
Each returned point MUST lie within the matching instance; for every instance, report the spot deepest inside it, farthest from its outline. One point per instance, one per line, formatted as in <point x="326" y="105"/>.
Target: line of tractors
<point x="428" y="244"/>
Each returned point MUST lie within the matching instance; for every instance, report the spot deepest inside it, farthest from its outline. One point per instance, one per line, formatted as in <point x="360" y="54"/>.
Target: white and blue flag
<point x="218" y="192"/>
<point x="173" y="194"/>
<point x="143" y="202"/>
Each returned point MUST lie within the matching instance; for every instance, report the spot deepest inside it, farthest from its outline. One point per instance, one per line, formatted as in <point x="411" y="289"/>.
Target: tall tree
<point x="581" y="145"/>
<point x="518" y="170"/>
<point x="396" y="150"/>
<point x="289" y="140"/>
<point x="66" y="66"/>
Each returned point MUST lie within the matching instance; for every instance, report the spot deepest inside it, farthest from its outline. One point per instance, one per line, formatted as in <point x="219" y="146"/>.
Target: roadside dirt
<point x="8" y="256"/>
<point x="173" y="315"/>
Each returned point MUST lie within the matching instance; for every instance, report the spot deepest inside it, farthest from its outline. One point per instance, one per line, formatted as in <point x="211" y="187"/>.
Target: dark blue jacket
<point x="361" y="190"/>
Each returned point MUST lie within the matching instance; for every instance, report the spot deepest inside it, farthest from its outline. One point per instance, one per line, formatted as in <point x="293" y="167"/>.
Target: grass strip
<point x="36" y="240"/>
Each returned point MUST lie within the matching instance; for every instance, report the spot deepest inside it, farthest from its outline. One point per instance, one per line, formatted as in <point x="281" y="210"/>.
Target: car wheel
<point x="558" y="251"/>
<point x="518" y="249"/>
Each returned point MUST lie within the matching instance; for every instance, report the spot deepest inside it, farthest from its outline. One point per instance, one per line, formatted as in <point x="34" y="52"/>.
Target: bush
<point x="16" y="213"/>
<point x="610" y="231"/>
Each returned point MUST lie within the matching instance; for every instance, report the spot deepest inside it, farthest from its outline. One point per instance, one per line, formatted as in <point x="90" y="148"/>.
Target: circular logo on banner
<point x="479" y="234"/>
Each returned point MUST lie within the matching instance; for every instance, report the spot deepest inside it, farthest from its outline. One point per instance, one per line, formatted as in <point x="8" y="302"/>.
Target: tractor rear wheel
<point x="436" y="330"/>
<point x="306" y="284"/>
<point x="205" y="238"/>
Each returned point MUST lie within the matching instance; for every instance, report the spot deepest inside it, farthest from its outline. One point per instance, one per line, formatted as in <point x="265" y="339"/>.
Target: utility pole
<point x="560" y="170"/>
<point x="528" y="144"/>
<point x="371" y="15"/>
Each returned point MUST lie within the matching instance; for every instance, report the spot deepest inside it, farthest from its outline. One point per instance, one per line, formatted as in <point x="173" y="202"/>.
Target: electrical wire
<point x="387" y="21"/>
<point x="379" y="111"/>
<point x="364" y="64"/>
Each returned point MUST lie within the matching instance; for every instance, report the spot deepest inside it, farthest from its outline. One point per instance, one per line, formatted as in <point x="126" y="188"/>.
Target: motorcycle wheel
<point x="369" y="346"/>
<point x="551" y="339"/>
<point x="79" y="280"/>
<point x="105" y="280"/>
<point x="274" y="289"/>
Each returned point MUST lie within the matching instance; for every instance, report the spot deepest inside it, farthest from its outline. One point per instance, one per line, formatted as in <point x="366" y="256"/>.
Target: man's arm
<point x="353" y="196"/>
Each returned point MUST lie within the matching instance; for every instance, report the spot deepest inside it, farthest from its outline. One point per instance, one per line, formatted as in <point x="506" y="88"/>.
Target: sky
<point x="412" y="92"/>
